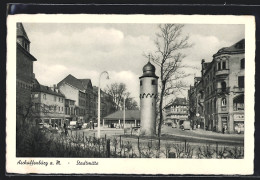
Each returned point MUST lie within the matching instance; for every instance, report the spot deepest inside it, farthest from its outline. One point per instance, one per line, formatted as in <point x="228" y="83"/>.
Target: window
<point x="242" y="63"/>
<point x="44" y="96"/>
<point x="59" y="99"/>
<point x="59" y="108"/>
<point x="224" y="102"/>
<point x="223" y="86"/>
<point x="241" y="81"/>
<point x="238" y="103"/>
<point x="224" y="65"/>
<point x="219" y="66"/>
<point x="153" y="82"/>
<point x="54" y="98"/>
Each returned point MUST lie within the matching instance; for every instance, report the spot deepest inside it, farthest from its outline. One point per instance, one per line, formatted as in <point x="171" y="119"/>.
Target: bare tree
<point x="168" y="56"/>
<point x="118" y="92"/>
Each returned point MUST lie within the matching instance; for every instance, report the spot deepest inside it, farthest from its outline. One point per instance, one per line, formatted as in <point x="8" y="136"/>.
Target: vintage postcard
<point x="130" y="94"/>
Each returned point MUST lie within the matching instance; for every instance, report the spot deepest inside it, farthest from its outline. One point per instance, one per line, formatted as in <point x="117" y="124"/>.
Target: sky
<point x="86" y="50"/>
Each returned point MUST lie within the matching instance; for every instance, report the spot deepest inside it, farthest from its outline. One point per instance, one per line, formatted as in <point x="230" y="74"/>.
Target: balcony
<point x="223" y="91"/>
<point x="222" y="72"/>
<point x="238" y="89"/>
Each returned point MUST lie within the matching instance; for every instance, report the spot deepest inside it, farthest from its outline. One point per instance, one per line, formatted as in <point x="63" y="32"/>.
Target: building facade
<point x="48" y="105"/>
<point x="107" y="105"/>
<point x="73" y="89"/>
<point x="70" y="111"/>
<point x="222" y="94"/>
<point x="176" y="112"/>
<point x="196" y="104"/>
<point x="24" y="72"/>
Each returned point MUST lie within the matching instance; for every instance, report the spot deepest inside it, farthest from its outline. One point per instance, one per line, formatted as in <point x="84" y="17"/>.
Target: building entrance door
<point x="224" y="124"/>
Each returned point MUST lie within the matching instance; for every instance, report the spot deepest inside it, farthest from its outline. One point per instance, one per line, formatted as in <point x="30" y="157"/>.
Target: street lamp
<point x="124" y="113"/>
<point x="104" y="72"/>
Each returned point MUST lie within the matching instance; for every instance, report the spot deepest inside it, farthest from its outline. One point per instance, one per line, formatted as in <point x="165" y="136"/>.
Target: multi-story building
<point x="73" y="89"/>
<point x="223" y="89"/>
<point x="196" y="103"/>
<point x="107" y="105"/>
<point x="24" y="72"/>
<point x="70" y="111"/>
<point x="177" y="111"/>
<point x="49" y="105"/>
<point x="90" y="100"/>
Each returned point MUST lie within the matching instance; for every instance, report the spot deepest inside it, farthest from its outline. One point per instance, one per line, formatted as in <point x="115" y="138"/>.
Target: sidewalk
<point x="204" y="132"/>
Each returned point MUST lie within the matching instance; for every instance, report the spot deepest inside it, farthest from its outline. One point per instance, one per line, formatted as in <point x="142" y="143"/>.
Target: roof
<point x="21" y="48"/>
<point x="129" y="115"/>
<point x="20" y="31"/>
<point x="236" y="48"/>
<point x="149" y="71"/>
<point x="86" y="83"/>
<point x="47" y="90"/>
<point x="178" y="102"/>
<point x="73" y="81"/>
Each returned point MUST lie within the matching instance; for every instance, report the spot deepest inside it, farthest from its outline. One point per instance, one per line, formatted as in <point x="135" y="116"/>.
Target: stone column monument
<point x="148" y="95"/>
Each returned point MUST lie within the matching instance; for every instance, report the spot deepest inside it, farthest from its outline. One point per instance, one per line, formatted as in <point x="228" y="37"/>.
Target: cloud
<point x="85" y="50"/>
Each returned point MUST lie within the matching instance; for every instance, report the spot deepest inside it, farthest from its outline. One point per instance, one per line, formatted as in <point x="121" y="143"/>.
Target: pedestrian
<point x="223" y="130"/>
<point x="93" y="125"/>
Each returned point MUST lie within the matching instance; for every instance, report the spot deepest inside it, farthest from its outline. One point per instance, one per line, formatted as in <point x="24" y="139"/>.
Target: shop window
<point x="238" y="103"/>
<point x="241" y="81"/>
<point x="153" y="82"/>
<point x="242" y="63"/>
<point x="223" y="102"/>
<point x="44" y="96"/>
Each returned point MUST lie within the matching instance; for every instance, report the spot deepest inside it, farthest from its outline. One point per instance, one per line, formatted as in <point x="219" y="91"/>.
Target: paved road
<point x="174" y="134"/>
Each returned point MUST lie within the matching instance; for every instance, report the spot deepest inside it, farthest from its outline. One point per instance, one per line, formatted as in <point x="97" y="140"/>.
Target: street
<point x="197" y="136"/>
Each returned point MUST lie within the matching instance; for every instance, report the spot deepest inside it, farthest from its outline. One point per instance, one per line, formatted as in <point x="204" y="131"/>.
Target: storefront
<point x="239" y="123"/>
<point x="224" y="124"/>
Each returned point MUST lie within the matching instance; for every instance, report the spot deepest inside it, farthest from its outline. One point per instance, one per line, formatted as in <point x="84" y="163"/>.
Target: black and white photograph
<point x="132" y="91"/>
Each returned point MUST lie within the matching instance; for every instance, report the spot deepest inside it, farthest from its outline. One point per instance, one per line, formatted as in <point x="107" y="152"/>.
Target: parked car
<point x="85" y="125"/>
<point x="185" y="125"/>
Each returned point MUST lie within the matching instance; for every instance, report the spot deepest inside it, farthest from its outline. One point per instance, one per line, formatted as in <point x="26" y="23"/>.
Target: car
<point x="85" y="125"/>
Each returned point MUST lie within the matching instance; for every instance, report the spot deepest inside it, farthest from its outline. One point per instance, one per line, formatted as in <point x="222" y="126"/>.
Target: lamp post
<point x="104" y="72"/>
<point x="124" y="112"/>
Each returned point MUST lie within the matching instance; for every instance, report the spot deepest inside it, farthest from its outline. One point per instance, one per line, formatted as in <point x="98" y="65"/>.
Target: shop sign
<point x="238" y="117"/>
